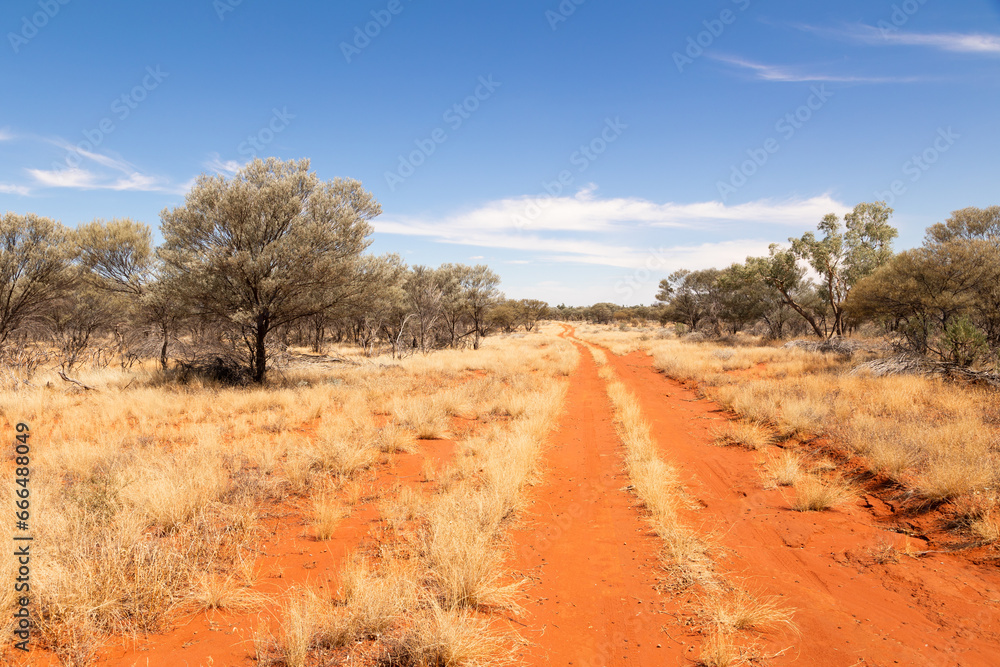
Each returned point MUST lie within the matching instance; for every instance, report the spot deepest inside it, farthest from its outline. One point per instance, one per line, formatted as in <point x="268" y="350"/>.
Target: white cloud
<point x="220" y="166"/>
<point x="10" y="189"/>
<point x="6" y="134"/>
<point x="783" y="74"/>
<point x="956" y="42"/>
<point x="128" y="176"/>
<point x="608" y="232"/>
<point x="83" y="179"/>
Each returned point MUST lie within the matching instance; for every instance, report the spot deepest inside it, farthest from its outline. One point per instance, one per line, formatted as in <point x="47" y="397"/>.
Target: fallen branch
<point x="75" y="382"/>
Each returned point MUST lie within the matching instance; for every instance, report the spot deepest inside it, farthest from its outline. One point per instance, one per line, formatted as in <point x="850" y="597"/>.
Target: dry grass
<point x="740" y="610"/>
<point x="784" y="469"/>
<point x="813" y="494"/>
<point x="688" y="555"/>
<point x="133" y="537"/>
<point x="229" y="593"/>
<point x="940" y="441"/>
<point x="328" y="512"/>
<point x="657" y="485"/>
<point x="721" y="649"/>
<point x="372" y="602"/>
<point x="743" y="433"/>
<point x="448" y="638"/>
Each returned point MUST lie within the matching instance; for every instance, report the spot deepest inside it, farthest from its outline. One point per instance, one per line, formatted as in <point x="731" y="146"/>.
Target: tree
<point x="967" y="224"/>
<point x="846" y="255"/>
<point x="532" y="310"/>
<point x="35" y="269"/>
<point x="118" y="258"/>
<point x="942" y="299"/>
<point x="481" y="293"/>
<point x="269" y="247"/>
<point x="424" y="291"/>
<point x="782" y="273"/>
<point x="690" y="296"/>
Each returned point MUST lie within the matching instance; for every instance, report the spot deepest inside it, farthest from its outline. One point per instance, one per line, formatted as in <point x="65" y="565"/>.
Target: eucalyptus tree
<point x="846" y="254"/>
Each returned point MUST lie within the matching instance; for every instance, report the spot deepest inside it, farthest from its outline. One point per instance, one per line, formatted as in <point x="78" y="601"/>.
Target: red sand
<point x="594" y="561"/>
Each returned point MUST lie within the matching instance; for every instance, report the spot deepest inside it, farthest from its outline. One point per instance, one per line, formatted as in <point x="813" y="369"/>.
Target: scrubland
<point x="148" y="495"/>
<point x="932" y="443"/>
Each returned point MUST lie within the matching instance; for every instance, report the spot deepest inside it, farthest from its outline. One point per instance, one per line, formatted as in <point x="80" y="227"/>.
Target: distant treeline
<point x="941" y="299"/>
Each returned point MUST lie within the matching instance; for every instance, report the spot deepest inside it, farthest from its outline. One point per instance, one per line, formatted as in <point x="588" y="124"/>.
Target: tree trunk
<point x="260" y="351"/>
<point x="163" y="350"/>
<point x="801" y="311"/>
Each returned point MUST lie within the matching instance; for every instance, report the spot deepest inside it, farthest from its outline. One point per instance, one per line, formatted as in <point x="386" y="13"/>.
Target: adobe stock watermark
<point x="919" y="164"/>
<point x="30" y="25"/>
<point x="901" y="15"/>
<point x="121" y="108"/>
<point x="223" y="7"/>
<point x="786" y="126"/>
<point x="280" y="120"/>
<point x="454" y="117"/>
<point x="582" y="158"/>
<point x="562" y="13"/>
<point x="714" y="28"/>
<point x="656" y="261"/>
<point x="363" y="35"/>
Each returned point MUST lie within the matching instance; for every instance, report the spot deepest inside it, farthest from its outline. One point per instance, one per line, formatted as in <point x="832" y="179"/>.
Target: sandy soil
<point x="851" y="609"/>
<point x="597" y="596"/>
<point x="591" y="557"/>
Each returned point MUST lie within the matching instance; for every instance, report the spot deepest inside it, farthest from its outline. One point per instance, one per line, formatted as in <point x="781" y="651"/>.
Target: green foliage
<point x="964" y="342"/>
<point x="846" y="254"/>
<point x="267" y="248"/>
<point x="943" y="298"/>
<point x="35" y="270"/>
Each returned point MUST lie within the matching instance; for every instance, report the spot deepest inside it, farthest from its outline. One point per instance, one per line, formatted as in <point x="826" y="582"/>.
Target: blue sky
<point x="584" y="149"/>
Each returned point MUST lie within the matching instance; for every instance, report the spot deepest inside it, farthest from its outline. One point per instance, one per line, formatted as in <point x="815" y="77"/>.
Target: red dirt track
<point x="599" y="594"/>
<point x="591" y="555"/>
<point x="940" y="609"/>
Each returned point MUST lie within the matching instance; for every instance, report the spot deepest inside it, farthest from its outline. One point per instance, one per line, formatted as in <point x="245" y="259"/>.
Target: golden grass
<point x="784" y="469"/>
<point x="936" y="439"/>
<point x="742" y="433"/>
<point x="151" y="489"/>
<point x="740" y="610"/>
<point x="371" y="601"/>
<point x="813" y="494"/>
<point x="448" y="638"/>
<point x="328" y="513"/>
<point x="688" y="555"/>
<point x="213" y="591"/>
<point x="657" y="485"/>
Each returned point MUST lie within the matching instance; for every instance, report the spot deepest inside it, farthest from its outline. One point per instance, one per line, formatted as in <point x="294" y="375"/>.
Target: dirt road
<point x="592" y="557"/>
<point x="856" y="602"/>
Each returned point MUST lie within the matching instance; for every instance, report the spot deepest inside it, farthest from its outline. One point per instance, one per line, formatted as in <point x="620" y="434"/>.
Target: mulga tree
<point x="266" y="248"/>
<point x="35" y="270"/>
<point x="118" y="258"/>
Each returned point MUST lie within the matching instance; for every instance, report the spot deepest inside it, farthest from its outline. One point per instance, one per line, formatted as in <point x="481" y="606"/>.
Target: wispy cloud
<point x="83" y="179"/>
<point x="783" y="73"/>
<point x="6" y="134"/>
<point x="113" y="172"/>
<point x="10" y="189"/>
<point x="955" y="42"/>
<point x="588" y="230"/>
<point x="218" y="165"/>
